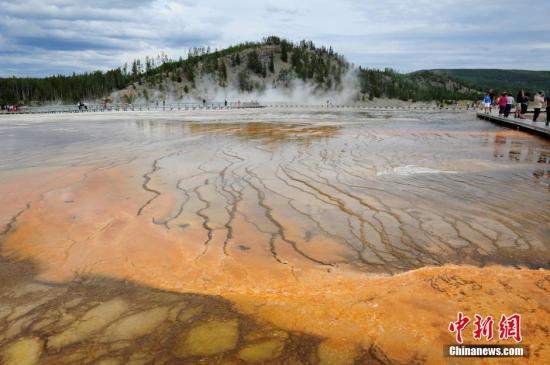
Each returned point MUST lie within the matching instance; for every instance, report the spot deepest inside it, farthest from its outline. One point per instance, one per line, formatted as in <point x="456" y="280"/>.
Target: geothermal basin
<point x="273" y="236"/>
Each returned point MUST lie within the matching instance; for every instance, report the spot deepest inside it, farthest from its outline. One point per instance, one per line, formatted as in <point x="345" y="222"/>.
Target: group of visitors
<point x="505" y="102"/>
<point x="9" y="108"/>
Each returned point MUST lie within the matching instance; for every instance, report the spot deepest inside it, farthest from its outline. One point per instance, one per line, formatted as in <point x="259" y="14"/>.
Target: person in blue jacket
<point x="487" y="102"/>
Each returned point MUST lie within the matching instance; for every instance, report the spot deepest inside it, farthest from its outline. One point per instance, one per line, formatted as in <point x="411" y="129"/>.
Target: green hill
<point x="500" y="80"/>
<point x="246" y="69"/>
<point x="271" y="69"/>
<point x="416" y="86"/>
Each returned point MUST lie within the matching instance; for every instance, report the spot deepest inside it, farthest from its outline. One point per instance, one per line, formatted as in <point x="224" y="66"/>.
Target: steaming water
<point x="253" y="206"/>
<point x="386" y="191"/>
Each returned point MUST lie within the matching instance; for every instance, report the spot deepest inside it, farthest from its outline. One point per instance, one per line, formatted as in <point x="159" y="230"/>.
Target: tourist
<point x="492" y="95"/>
<point x="509" y="104"/>
<point x="519" y="101"/>
<point x="502" y="102"/>
<point x="547" y="102"/>
<point x="537" y="104"/>
<point x="487" y="103"/>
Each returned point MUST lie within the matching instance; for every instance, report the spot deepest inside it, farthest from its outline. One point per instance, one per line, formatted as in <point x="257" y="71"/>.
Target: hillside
<point x="500" y="80"/>
<point x="271" y="70"/>
<point x="416" y="86"/>
<point x="274" y="68"/>
<point x="278" y="70"/>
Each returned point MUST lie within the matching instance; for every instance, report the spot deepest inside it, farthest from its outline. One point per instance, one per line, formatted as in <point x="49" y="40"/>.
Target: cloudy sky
<point x="44" y="37"/>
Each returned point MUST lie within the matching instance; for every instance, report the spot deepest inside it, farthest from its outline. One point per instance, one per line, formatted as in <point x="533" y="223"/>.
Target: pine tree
<point x="134" y="69"/>
<point x="254" y="64"/>
<point x="271" y="64"/>
<point x="147" y="65"/>
<point x="244" y="81"/>
<point x="284" y="51"/>
<point x="222" y="71"/>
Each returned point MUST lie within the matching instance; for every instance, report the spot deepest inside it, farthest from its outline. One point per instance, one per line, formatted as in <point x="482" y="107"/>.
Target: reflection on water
<point x="269" y="133"/>
<point x="383" y="195"/>
<point x="287" y="215"/>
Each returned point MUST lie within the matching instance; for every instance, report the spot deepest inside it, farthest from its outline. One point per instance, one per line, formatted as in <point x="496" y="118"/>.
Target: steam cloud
<point x="296" y="91"/>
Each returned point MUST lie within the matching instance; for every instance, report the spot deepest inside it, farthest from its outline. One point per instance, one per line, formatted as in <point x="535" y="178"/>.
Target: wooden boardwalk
<point x="526" y="125"/>
<point x="153" y="107"/>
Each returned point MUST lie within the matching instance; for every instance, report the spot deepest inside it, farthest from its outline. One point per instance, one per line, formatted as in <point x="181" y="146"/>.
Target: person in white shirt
<point x="537" y="105"/>
<point x="509" y="104"/>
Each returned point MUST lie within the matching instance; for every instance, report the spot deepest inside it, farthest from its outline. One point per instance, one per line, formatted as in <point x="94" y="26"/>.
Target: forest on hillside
<point x="418" y="86"/>
<point x="24" y="90"/>
<point x="307" y="62"/>
<point x="319" y="66"/>
<point x="500" y="80"/>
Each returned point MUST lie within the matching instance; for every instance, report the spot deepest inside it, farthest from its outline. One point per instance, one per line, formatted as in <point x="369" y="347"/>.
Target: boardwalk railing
<point x="60" y="108"/>
<point x="211" y="106"/>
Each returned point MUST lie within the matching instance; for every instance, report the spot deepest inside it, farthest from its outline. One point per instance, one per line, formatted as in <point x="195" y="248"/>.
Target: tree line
<point x="24" y="90"/>
<point x="416" y="86"/>
<point x="303" y="60"/>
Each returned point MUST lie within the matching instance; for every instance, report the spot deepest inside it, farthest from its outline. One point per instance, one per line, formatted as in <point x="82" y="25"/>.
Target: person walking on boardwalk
<point x="519" y="101"/>
<point x="486" y="103"/>
<point x="502" y="101"/>
<point x="509" y="104"/>
<point x="537" y="105"/>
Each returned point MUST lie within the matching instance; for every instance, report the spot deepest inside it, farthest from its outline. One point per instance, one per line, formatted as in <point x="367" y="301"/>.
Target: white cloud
<point x="51" y="36"/>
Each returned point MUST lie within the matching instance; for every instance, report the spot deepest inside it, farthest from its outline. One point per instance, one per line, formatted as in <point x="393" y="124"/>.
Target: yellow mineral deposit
<point x="135" y="325"/>
<point x="262" y="351"/>
<point x="92" y="321"/>
<point x="25" y="351"/>
<point x="212" y="337"/>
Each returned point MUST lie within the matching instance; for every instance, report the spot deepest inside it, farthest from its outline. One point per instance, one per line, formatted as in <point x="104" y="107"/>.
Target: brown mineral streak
<point x="290" y="243"/>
